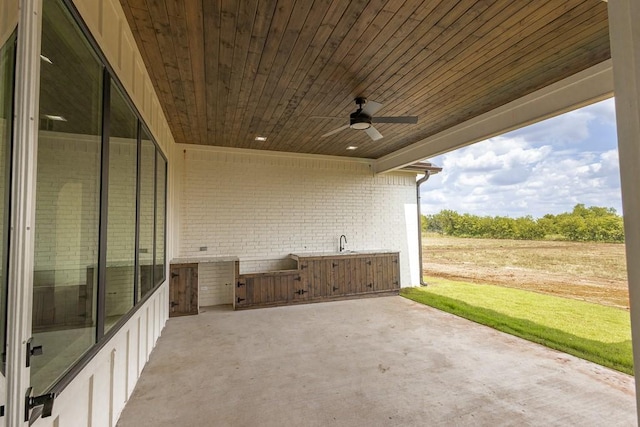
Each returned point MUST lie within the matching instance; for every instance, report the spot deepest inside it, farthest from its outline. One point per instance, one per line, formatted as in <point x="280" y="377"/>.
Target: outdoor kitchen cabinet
<point x="270" y="288"/>
<point x="321" y="277"/>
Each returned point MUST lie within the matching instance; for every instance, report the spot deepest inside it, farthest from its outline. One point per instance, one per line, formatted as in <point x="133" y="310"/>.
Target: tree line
<point x="582" y="224"/>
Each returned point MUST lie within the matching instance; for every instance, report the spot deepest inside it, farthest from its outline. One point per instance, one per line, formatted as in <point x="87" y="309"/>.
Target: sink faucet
<point x="345" y="242"/>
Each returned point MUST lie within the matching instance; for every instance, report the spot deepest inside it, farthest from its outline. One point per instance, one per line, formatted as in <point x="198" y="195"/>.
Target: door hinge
<point x="45" y="400"/>
<point x="239" y="300"/>
<point x="174" y="275"/>
<point x="240" y="284"/>
<point x="35" y="350"/>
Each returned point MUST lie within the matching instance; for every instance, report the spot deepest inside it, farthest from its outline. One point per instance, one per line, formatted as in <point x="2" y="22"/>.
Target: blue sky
<point x="547" y="167"/>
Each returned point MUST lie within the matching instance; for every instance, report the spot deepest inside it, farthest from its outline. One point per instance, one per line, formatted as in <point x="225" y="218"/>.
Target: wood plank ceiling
<point x="227" y="71"/>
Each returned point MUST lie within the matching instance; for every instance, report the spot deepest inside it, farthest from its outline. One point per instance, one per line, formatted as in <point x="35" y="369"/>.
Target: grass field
<point x="569" y="296"/>
<point x="594" y="272"/>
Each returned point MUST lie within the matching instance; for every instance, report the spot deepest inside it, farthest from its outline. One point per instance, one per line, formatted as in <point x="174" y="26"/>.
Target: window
<point x="147" y="214"/>
<point x="121" y="228"/>
<point x="161" y="191"/>
<point x="7" y="66"/>
<point x="67" y="197"/>
<point x="100" y="202"/>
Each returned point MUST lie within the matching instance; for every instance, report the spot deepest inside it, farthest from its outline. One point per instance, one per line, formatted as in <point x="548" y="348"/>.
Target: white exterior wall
<point x="97" y="396"/>
<point x="261" y="207"/>
<point x="99" y="392"/>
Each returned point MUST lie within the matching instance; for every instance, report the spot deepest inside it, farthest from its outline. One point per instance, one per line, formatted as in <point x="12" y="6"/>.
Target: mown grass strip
<point x="592" y="332"/>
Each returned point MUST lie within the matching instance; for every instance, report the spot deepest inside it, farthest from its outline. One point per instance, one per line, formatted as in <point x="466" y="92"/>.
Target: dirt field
<point x="594" y="272"/>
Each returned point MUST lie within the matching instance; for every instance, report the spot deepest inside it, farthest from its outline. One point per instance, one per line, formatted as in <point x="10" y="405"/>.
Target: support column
<point x="624" y="30"/>
<point x="25" y="148"/>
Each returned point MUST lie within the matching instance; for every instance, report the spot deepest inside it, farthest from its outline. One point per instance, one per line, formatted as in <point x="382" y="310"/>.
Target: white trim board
<point x="586" y="87"/>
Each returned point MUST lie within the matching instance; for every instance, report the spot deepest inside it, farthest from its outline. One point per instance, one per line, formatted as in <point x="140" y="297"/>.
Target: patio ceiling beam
<point x="583" y="88"/>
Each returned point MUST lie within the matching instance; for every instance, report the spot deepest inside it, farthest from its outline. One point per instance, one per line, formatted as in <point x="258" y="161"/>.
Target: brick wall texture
<point x="262" y="207"/>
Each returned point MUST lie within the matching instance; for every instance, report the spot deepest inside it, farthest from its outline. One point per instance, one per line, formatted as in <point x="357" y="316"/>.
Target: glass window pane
<point x="121" y="227"/>
<point x="67" y="198"/>
<point x="147" y="210"/>
<point x="6" y="113"/>
<point x="161" y="177"/>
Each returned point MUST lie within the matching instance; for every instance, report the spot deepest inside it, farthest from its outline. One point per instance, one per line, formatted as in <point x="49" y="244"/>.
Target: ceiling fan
<point x="362" y="119"/>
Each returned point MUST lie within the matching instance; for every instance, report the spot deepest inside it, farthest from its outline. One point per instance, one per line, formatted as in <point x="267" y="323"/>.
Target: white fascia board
<point x="586" y="87"/>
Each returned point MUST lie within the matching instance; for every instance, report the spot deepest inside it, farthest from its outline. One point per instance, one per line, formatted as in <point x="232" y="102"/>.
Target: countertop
<point x="203" y="260"/>
<point x="341" y="254"/>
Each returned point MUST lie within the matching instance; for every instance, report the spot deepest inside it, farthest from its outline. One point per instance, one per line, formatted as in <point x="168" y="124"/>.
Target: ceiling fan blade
<point x="371" y="107"/>
<point x="335" y="131"/>
<point x="399" y="119"/>
<point x="373" y="133"/>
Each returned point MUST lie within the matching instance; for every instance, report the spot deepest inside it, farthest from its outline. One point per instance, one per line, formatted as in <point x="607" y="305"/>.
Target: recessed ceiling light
<point x="351" y="147"/>
<point x="261" y="138"/>
<point x="55" y="118"/>
<point x="45" y="59"/>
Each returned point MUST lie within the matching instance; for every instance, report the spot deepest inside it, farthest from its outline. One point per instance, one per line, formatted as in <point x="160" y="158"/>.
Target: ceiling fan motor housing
<point x="359" y="120"/>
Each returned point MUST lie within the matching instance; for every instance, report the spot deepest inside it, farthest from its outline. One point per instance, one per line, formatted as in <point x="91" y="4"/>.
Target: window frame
<point x="102" y="338"/>
<point x="7" y="205"/>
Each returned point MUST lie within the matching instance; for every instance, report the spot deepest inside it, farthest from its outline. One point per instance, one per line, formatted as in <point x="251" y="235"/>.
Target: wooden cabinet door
<point x="183" y="290"/>
<point x="298" y="289"/>
<point x="358" y="275"/>
<point x="370" y="269"/>
<point x="272" y="288"/>
<point x="395" y="271"/>
<point x="316" y="276"/>
<point x="340" y="281"/>
<point x="381" y="278"/>
<point x="240" y="297"/>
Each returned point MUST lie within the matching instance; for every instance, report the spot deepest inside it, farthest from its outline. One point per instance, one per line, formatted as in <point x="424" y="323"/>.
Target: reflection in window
<point x="161" y="177"/>
<point x="66" y="288"/>
<point x="147" y="214"/>
<point x="121" y="228"/>
<point x="67" y="197"/>
<point x="6" y="113"/>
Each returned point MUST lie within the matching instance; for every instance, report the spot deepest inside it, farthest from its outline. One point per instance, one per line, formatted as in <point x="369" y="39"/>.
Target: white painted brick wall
<point x="215" y="282"/>
<point x="262" y="207"/>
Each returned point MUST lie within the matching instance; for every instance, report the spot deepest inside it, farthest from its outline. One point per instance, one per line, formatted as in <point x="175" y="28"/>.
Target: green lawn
<point x="590" y="331"/>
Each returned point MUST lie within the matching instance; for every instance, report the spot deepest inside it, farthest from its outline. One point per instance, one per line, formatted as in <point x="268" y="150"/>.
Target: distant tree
<point x="594" y="224"/>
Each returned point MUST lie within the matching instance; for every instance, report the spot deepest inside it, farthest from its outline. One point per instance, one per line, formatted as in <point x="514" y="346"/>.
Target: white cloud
<point x="546" y="168"/>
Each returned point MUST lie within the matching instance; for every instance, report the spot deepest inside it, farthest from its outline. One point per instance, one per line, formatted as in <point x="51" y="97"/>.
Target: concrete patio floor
<point x="369" y="362"/>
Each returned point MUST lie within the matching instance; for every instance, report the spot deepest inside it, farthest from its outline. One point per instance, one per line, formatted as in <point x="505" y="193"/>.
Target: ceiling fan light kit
<point x="362" y="119"/>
